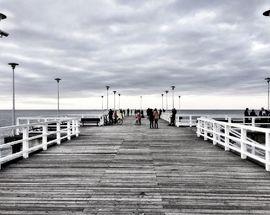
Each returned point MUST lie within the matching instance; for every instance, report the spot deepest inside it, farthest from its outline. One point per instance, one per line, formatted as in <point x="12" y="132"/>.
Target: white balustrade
<point x="237" y="137"/>
<point x="31" y="137"/>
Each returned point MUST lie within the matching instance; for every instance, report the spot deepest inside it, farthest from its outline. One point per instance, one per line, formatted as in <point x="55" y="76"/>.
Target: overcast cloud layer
<point x="139" y="47"/>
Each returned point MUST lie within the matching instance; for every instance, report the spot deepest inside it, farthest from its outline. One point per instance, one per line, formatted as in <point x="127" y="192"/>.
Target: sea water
<point x="6" y="115"/>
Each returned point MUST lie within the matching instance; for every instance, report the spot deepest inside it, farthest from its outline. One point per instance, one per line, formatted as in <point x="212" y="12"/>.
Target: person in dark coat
<point x="173" y="117"/>
<point x="246" y="114"/>
<point x="111" y="116"/>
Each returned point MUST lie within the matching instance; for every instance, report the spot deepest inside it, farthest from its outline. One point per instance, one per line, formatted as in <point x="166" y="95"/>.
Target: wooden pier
<point x="132" y="169"/>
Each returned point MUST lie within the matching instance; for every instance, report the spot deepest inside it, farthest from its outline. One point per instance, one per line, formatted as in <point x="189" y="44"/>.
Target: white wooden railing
<point x="191" y="119"/>
<point x="234" y="136"/>
<point x="35" y="136"/>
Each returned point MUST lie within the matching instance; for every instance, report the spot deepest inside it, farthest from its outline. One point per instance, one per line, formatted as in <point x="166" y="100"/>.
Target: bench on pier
<point x="89" y="120"/>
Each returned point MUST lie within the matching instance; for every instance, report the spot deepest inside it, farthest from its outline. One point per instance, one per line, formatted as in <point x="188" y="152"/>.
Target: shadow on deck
<point x="132" y="169"/>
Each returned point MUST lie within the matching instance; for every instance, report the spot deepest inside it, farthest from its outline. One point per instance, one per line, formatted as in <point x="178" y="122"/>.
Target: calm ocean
<point x="5" y="115"/>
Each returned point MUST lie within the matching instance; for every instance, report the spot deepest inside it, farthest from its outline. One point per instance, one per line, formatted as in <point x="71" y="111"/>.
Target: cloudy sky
<point x="216" y="53"/>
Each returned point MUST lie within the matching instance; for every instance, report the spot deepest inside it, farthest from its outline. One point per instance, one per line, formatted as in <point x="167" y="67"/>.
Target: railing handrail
<point x="34" y="124"/>
<point x="69" y="128"/>
<point x="236" y="125"/>
<point x="234" y="136"/>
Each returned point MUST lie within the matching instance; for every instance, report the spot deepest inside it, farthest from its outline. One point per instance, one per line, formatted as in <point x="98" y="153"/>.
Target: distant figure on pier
<point x="156" y="118"/>
<point x="150" y="116"/>
<point x="262" y="112"/>
<point x="128" y="112"/>
<point x="253" y="113"/>
<point x="138" y="117"/>
<point x="173" y="117"/>
<point x="246" y="114"/>
<point x="160" y="112"/>
<point x="110" y="116"/>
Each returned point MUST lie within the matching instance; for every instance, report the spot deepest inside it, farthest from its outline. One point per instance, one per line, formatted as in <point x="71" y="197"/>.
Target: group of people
<point x="114" y="115"/>
<point x="153" y="116"/>
<point x="262" y="112"/>
<point x="253" y="113"/>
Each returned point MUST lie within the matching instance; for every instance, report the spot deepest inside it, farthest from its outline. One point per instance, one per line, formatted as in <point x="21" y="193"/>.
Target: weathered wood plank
<point x="134" y="170"/>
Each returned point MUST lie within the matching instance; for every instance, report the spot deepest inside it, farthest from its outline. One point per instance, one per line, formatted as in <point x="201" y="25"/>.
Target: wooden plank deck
<point x="134" y="170"/>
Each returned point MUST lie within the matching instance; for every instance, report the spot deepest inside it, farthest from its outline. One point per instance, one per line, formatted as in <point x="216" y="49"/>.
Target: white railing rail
<point x="191" y="119"/>
<point x="31" y="137"/>
<point x="234" y="136"/>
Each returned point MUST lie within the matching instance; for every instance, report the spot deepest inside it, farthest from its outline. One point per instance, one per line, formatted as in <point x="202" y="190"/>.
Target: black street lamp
<point x="102" y="102"/>
<point x="114" y="92"/>
<point x="13" y="66"/>
<point x="267" y="80"/>
<point x="107" y="88"/>
<point x="162" y="101"/>
<point x="173" y="87"/>
<point x="119" y="101"/>
<point x="58" y="94"/>
<point x="166" y="99"/>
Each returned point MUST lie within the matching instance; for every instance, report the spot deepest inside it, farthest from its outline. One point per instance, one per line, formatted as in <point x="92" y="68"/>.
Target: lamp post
<point x="114" y="92"/>
<point x="140" y="103"/>
<point x="107" y="87"/>
<point x="179" y="101"/>
<point x="13" y="66"/>
<point x="268" y="80"/>
<point x="3" y="33"/>
<point x="173" y="87"/>
<point x="58" y="94"/>
<point x="102" y="102"/>
<point x="162" y="101"/>
<point x="166" y="99"/>
<point x="119" y="101"/>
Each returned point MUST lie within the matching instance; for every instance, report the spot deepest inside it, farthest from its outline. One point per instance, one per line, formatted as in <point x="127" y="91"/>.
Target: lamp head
<point x="58" y="79"/>
<point x="267" y="79"/>
<point x="107" y="87"/>
<point x="173" y="87"/>
<point x="2" y="16"/>
<point x="13" y="65"/>
<point x="266" y="13"/>
<point x="162" y="94"/>
<point x="114" y="92"/>
<point x="119" y="94"/>
<point x="102" y="96"/>
<point x="179" y="97"/>
<point x="3" y="34"/>
<point x="166" y="91"/>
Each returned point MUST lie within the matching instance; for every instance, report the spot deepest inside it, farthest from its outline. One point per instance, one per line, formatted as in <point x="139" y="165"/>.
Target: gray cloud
<point x="138" y="46"/>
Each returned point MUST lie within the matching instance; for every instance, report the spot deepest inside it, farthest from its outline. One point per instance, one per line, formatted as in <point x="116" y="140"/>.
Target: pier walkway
<point x="132" y="169"/>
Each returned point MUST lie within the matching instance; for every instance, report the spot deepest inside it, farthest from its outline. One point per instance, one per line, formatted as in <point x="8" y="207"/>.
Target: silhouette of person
<point x="156" y="118"/>
<point x="246" y="114"/>
<point x="173" y="117"/>
<point x="253" y="113"/>
<point x="111" y="116"/>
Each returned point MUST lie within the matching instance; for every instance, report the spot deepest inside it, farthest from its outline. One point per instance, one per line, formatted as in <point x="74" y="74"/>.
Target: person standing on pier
<point x="150" y="116"/>
<point x="173" y="117"/>
<point x="246" y="114"/>
<point x="111" y="116"/>
<point x="156" y="118"/>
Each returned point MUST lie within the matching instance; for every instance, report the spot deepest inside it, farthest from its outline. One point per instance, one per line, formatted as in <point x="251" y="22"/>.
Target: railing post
<point x="214" y="134"/>
<point x="44" y="137"/>
<point x="204" y="130"/>
<point x="58" y="133"/>
<point x="229" y="120"/>
<point x="199" y="125"/>
<point x="73" y="127"/>
<point x="227" y="139"/>
<point x="25" y="145"/>
<point x="68" y="130"/>
<point x="190" y="121"/>
<point x="243" y="143"/>
<point x="267" y="149"/>
<point x="253" y="121"/>
<point x="77" y="127"/>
